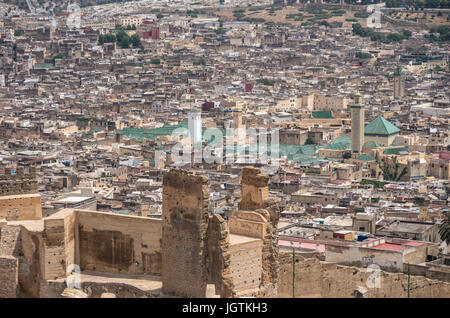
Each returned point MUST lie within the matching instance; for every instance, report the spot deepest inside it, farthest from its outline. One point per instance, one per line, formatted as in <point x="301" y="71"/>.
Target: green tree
<point x="155" y="61"/>
<point x="125" y="42"/>
<point x="135" y="40"/>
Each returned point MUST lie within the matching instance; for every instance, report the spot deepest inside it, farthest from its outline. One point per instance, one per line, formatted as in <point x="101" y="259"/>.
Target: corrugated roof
<point x="380" y="126"/>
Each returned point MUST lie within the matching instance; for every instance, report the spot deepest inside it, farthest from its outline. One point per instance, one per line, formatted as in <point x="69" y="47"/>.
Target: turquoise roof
<point x="371" y="144"/>
<point x="322" y="114"/>
<point x="342" y="145"/>
<point x="365" y="157"/>
<point x="396" y="151"/>
<point x="380" y="126"/>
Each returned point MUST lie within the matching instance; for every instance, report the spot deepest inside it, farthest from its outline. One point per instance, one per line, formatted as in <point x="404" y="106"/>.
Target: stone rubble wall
<point x="314" y="278"/>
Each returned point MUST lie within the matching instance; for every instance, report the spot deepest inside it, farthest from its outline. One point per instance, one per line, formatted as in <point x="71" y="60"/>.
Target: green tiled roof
<point x="380" y="126"/>
<point x="339" y="146"/>
<point x="371" y="144"/>
<point x="396" y="151"/>
<point x="322" y="114"/>
<point x="153" y="133"/>
<point x="365" y="157"/>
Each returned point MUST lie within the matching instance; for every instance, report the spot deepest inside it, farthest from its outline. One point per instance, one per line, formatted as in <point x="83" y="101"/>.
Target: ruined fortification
<point x="19" y="199"/>
<point x="315" y="278"/>
<point x="179" y="255"/>
<point x="198" y="249"/>
<point x="187" y="253"/>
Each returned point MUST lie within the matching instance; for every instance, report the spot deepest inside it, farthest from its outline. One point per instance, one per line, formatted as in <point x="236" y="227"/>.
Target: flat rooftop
<point x="30" y="225"/>
<point x="73" y="199"/>
<point x="406" y="227"/>
<point x="241" y="239"/>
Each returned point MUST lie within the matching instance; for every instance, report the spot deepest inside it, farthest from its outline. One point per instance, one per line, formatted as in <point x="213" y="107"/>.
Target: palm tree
<point x="444" y="228"/>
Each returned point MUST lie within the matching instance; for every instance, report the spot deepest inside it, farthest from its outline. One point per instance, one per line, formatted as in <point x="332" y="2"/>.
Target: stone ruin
<point x="199" y="249"/>
<point x="187" y="253"/>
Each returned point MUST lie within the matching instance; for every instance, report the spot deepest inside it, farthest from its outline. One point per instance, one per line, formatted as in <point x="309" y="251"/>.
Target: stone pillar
<point x="254" y="190"/>
<point x="185" y="223"/>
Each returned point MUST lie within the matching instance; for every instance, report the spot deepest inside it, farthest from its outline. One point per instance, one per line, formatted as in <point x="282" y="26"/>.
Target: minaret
<point x="237" y="118"/>
<point x="399" y="83"/>
<point x="357" y="109"/>
<point x="195" y="126"/>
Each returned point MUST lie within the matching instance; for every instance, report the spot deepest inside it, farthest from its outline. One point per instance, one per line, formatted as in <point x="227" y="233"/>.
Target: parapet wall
<point x="114" y="243"/>
<point x="21" y="207"/>
<point x="18" y="182"/>
<point x="314" y="278"/>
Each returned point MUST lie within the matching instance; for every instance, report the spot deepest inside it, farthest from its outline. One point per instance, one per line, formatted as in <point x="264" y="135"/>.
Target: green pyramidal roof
<point x="380" y="126"/>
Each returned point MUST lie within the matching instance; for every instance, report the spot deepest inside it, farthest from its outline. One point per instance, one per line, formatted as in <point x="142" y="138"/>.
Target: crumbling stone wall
<point x="218" y="256"/>
<point x="55" y="289"/>
<point x="246" y="268"/>
<point x="30" y="263"/>
<point x="314" y="278"/>
<point x="19" y="182"/>
<point x="185" y="224"/>
<point x="112" y="243"/>
<point x="19" y="199"/>
<point x="254" y="189"/>
<point x="255" y="197"/>
<point x="9" y="276"/>
<point x="21" y="207"/>
<point x="54" y="251"/>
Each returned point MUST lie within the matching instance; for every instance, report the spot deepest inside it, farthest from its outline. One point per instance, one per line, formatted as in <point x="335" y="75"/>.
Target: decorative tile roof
<point x="380" y="126"/>
<point x="365" y="157"/>
<point x="322" y="114"/>
<point x="371" y="144"/>
<point x="397" y="151"/>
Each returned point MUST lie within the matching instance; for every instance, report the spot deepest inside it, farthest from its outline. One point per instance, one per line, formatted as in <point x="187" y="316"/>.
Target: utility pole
<point x="293" y="270"/>
<point x="409" y="285"/>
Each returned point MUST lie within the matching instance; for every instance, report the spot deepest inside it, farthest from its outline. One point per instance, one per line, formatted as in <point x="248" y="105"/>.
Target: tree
<point x="444" y="229"/>
<point x="101" y="39"/>
<point x="265" y="81"/>
<point x="125" y="42"/>
<point x="135" y="40"/>
<point x="393" y="174"/>
<point x="155" y="61"/>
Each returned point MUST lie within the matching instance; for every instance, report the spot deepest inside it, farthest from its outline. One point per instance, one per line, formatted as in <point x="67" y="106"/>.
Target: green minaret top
<point x="398" y="71"/>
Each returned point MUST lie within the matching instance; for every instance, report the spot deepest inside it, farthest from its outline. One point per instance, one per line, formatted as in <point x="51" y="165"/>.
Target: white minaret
<point x="195" y="126"/>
